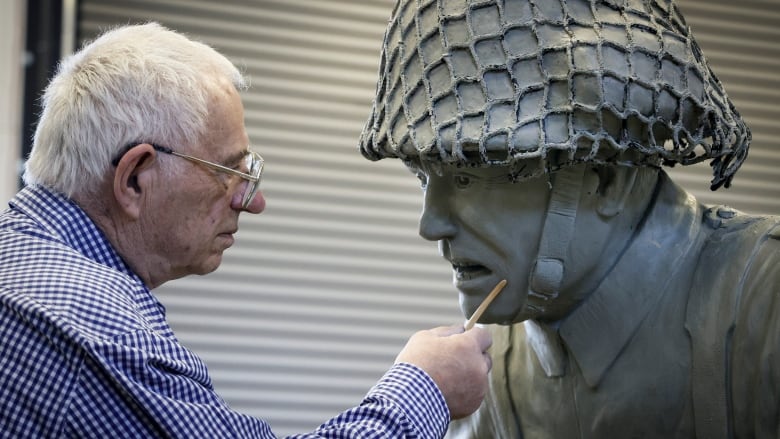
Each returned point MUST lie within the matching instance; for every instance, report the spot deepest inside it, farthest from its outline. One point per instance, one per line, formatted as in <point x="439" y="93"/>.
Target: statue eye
<point x="463" y="181"/>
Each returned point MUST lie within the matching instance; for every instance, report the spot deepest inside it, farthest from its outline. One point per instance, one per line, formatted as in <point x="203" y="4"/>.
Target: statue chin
<point x="500" y="316"/>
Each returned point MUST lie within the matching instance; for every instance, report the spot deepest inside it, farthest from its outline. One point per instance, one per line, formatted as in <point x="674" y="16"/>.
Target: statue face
<point x="488" y="228"/>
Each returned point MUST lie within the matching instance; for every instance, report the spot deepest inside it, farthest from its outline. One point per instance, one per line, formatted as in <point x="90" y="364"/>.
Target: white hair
<point x="138" y="83"/>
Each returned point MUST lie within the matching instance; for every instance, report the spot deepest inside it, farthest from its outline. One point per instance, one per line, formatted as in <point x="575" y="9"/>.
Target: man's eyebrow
<point x="236" y="158"/>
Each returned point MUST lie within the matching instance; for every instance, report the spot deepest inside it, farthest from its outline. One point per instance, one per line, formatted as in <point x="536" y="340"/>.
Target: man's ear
<point x="132" y="178"/>
<point x="615" y="186"/>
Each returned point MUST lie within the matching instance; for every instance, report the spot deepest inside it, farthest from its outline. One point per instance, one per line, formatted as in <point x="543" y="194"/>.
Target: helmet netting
<point x="541" y="84"/>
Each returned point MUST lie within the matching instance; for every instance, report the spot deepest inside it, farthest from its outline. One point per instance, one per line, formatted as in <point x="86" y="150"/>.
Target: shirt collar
<point x="598" y="330"/>
<point x="63" y="218"/>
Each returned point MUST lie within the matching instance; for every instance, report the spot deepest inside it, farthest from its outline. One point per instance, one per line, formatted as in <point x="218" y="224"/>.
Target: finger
<point x="489" y="361"/>
<point x="445" y="331"/>
<point x="482" y="336"/>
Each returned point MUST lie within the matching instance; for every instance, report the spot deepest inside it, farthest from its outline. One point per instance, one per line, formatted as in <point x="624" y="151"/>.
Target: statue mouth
<point x="465" y="271"/>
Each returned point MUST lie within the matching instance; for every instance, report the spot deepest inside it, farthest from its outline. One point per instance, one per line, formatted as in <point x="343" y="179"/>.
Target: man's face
<point x="200" y="206"/>
<point x="488" y="229"/>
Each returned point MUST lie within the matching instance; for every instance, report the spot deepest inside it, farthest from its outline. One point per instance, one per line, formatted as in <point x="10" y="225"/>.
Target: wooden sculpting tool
<point x="483" y="306"/>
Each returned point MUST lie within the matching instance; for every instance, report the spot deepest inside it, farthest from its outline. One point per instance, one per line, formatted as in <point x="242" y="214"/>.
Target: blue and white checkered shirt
<point x="85" y="350"/>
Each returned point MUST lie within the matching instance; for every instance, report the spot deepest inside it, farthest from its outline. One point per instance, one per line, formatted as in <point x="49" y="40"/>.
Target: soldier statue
<point x="540" y="131"/>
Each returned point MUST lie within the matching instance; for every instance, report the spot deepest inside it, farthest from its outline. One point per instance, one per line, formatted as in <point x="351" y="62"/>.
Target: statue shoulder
<point x="755" y="345"/>
<point x="737" y="276"/>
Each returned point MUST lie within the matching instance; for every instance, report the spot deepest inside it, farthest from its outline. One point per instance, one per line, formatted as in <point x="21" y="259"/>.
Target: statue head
<point x="489" y="91"/>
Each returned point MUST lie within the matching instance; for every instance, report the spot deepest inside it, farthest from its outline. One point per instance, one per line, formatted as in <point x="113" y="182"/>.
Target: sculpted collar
<point x="614" y="311"/>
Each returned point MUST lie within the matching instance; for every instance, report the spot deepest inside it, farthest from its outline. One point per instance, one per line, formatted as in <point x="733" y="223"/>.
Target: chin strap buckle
<point x="558" y="230"/>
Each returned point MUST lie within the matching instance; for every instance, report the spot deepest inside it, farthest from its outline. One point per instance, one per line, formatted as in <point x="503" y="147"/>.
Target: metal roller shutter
<point x="321" y="291"/>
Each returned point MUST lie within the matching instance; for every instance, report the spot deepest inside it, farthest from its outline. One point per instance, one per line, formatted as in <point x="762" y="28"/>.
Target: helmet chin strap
<point x="558" y="230"/>
<point x="547" y="273"/>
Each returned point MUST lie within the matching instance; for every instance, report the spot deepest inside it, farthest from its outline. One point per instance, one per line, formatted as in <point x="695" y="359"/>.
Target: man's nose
<point x="436" y="218"/>
<point x="257" y="204"/>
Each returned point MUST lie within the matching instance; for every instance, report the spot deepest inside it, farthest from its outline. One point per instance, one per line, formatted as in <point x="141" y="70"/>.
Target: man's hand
<point x="456" y="360"/>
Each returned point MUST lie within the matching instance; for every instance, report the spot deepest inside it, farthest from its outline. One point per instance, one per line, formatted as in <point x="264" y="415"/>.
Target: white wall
<point x="12" y="30"/>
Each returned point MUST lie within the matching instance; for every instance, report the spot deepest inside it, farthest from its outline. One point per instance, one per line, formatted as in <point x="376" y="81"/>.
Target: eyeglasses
<point x="254" y="163"/>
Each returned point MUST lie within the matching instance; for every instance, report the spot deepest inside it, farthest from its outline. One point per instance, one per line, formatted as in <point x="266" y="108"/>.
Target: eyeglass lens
<point x="255" y="167"/>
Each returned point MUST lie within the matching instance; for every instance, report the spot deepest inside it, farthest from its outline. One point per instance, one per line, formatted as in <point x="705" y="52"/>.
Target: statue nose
<point x="436" y="219"/>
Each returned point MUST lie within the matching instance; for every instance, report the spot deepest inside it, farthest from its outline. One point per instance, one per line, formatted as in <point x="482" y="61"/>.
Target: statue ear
<point x="615" y="187"/>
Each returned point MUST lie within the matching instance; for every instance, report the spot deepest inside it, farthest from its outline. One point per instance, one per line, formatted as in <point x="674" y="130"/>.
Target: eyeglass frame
<point x="254" y="180"/>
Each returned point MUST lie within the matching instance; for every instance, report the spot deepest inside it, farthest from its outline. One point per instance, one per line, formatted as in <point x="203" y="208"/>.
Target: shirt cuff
<point x="415" y="392"/>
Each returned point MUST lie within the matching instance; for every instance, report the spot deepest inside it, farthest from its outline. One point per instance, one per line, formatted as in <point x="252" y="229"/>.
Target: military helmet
<point x="537" y="85"/>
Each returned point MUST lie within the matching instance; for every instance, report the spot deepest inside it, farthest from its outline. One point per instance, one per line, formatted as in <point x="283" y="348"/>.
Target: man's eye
<point x="245" y="165"/>
<point x="463" y="181"/>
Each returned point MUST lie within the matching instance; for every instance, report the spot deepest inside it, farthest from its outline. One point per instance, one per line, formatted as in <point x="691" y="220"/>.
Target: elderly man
<point x="539" y="130"/>
<point x="138" y="174"/>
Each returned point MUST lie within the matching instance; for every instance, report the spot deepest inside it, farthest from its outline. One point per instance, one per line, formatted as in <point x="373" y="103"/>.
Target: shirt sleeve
<point x="405" y="403"/>
<point x="145" y="386"/>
